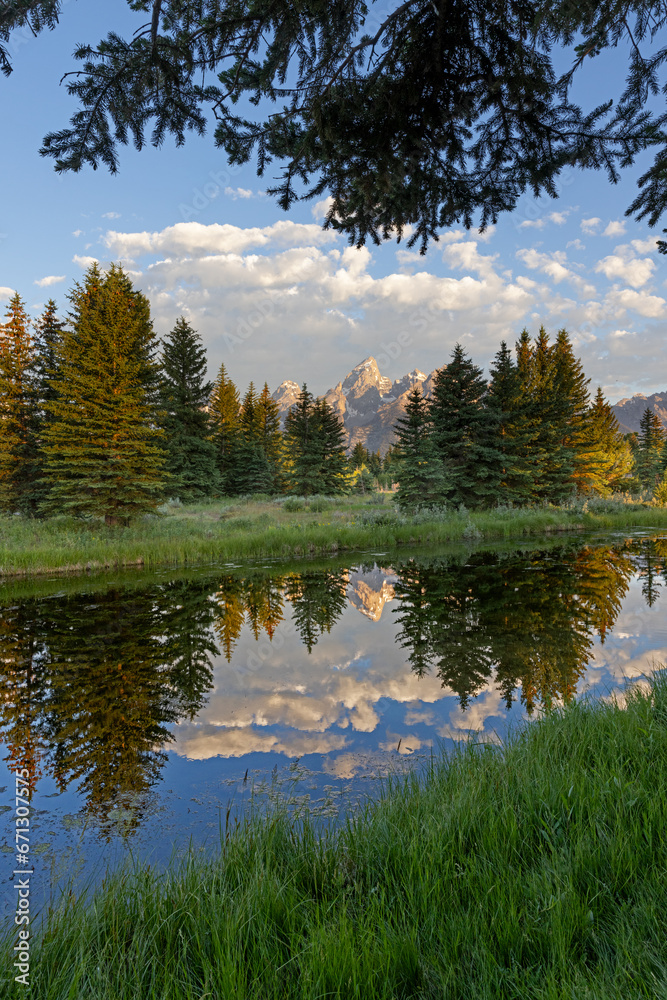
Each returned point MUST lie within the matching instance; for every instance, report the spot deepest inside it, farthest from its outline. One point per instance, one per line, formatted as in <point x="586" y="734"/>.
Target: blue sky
<point x="273" y="296"/>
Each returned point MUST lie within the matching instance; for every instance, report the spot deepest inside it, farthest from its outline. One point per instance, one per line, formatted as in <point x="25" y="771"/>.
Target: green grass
<point x="536" y="870"/>
<point x="201" y="534"/>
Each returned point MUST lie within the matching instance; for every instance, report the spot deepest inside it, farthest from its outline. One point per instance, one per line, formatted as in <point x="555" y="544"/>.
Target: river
<point x="154" y="709"/>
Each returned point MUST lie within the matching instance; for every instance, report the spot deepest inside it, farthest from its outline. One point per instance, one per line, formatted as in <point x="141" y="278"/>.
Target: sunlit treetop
<point x="422" y="114"/>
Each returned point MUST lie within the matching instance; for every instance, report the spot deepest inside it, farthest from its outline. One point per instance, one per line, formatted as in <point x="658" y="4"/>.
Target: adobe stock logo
<point x="207" y="192"/>
<point x="393" y="350"/>
<point x="263" y="307"/>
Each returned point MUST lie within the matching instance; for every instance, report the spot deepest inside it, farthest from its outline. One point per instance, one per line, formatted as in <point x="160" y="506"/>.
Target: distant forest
<point x="100" y="418"/>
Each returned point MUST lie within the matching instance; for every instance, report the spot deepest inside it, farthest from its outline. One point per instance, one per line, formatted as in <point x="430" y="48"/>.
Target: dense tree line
<point x="100" y="418"/>
<point x="529" y="434"/>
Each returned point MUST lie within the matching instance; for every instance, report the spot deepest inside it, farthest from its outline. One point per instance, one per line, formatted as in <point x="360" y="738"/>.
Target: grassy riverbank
<point x="536" y="870"/>
<point x="205" y="533"/>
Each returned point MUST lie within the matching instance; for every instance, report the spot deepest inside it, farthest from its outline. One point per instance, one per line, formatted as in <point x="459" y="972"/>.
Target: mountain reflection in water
<point x="93" y="684"/>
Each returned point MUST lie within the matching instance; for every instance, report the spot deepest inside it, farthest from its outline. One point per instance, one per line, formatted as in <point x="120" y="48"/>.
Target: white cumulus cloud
<point x="558" y="219"/>
<point x="590" y="225"/>
<point x="614" y="228"/>
<point x="551" y="264"/>
<point x="644" y="246"/>
<point x="632" y="270"/>
<point x="652" y="306"/>
<point x="239" y="192"/>
<point x="289" y="301"/>
<point x="83" y="261"/>
<point x="51" y="279"/>
<point x="196" y="238"/>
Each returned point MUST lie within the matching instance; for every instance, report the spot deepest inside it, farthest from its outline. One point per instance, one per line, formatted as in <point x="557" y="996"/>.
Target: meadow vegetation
<point x="260" y="527"/>
<point x="533" y="869"/>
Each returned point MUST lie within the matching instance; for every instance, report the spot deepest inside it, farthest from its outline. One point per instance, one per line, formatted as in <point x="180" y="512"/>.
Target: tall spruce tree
<point x="253" y="474"/>
<point x="649" y="453"/>
<point x="334" y="468"/>
<point x="511" y="421"/>
<point x="663" y="459"/>
<point x="302" y="446"/>
<point x="191" y="458"/>
<point x="462" y="432"/>
<point x="224" y="410"/>
<point x="49" y="333"/>
<point x="609" y="458"/>
<point x="553" y="459"/>
<point x="103" y="449"/>
<point x="270" y="435"/>
<point x="20" y="489"/>
<point x="549" y="455"/>
<point x="572" y="405"/>
<point x="315" y="448"/>
<point x="422" y="480"/>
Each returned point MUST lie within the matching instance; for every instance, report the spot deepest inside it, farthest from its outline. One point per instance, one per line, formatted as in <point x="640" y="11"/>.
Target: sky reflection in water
<point x="142" y="704"/>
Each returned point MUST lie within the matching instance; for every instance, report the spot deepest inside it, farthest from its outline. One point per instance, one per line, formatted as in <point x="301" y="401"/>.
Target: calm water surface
<point x="148" y="707"/>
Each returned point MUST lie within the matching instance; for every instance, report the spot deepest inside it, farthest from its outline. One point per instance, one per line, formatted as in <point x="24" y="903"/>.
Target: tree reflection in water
<point x="530" y="619"/>
<point x="91" y="683"/>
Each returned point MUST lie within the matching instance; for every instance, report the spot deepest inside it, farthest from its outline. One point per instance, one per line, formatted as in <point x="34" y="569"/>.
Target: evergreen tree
<point x="649" y="455"/>
<point x="315" y="447"/>
<point x="374" y="462"/>
<point x="422" y="480"/>
<point x="572" y="403"/>
<point x="318" y="600"/>
<point x="663" y="459"/>
<point x="549" y="382"/>
<point x="186" y="620"/>
<point x="535" y="452"/>
<point x="224" y="410"/>
<point x="415" y="615"/>
<point x="103" y="453"/>
<point x="230" y="613"/>
<point x="359" y="456"/>
<point x="554" y="459"/>
<point x="19" y="413"/>
<point x="112" y="699"/>
<point x="302" y="446"/>
<point x="23" y="691"/>
<point x="390" y="464"/>
<point x="609" y="458"/>
<point x="270" y="436"/>
<point x="248" y="414"/>
<point x="253" y="474"/>
<point x="464" y="437"/>
<point x="512" y="422"/>
<point x="191" y="458"/>
<point x="49" y="333"/>
<point x="334" y="469"/>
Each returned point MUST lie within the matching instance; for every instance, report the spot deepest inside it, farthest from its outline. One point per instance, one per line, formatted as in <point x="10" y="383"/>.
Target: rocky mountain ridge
<point x="628" y="412"/>
<point x="369" y="404"/>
